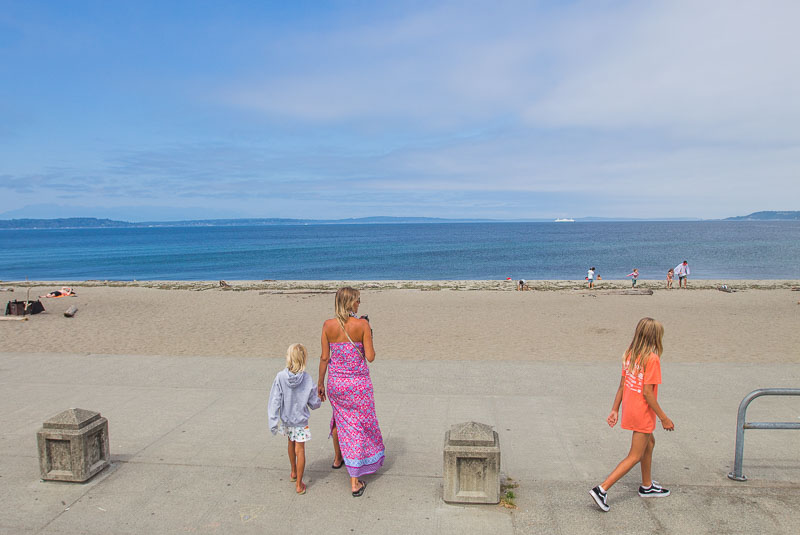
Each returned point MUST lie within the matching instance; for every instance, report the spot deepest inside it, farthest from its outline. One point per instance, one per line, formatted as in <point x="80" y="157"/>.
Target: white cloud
<point x="671" y="108"/>
<point x="714" y="70"/>
<point x="704" y="70"/>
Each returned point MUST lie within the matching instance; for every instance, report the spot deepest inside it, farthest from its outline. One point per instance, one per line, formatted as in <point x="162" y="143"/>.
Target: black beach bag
<point x="23" y="308"/>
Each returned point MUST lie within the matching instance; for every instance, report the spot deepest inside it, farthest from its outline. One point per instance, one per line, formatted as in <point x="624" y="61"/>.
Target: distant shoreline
<point x="72" y="223"/>
<point x="109" y="224"/>
<point x="315" y="286"/>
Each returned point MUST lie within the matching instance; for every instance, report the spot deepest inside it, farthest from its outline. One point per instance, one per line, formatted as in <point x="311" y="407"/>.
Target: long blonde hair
<point x="646" y="340"/>
<point x="296" y="357"/>
<point x="345" y="300"/>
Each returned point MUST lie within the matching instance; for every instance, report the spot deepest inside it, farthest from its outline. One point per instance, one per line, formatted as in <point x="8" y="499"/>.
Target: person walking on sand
<point x="346" y="350"/>
<point x="670" y="276"/>
<point x="682" y="271"/>
<point x="635" y="275"/>
<point x="590" y="277"/>
<point x="290" y="397"/>
<point x="638" y="395"/>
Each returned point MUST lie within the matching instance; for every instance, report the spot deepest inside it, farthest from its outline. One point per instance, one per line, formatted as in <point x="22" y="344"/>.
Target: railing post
<point x="741" y="424"/>
<point x="737" y="474"/>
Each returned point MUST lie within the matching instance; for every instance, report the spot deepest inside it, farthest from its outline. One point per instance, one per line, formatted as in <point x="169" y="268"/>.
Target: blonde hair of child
<point x="646" y="340"/>
<point x="345" y="300"/>
<point x="296" y="357"/>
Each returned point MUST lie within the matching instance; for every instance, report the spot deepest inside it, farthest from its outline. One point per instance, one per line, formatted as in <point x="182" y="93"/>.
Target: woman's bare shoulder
<point x="361" y="325"/>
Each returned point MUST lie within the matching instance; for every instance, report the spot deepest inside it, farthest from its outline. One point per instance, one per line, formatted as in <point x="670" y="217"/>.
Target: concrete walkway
<point x="191" y="452"/>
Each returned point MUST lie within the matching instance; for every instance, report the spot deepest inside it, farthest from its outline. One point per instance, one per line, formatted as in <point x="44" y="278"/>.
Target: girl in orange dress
<point x="638" y="395"/>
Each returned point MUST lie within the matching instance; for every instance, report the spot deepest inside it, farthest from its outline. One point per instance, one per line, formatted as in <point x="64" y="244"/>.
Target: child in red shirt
<point x="638" y="395"/>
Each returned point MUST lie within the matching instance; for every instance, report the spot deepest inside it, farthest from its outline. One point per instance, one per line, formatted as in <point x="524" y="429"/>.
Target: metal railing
<point x="741" y="425"/>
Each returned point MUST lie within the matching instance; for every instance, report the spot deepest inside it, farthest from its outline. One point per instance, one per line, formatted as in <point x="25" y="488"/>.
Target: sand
<point x="415" y="320"/>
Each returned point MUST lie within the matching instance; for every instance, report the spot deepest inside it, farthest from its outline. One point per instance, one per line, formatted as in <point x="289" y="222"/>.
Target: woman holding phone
<point x="346" y="350"/>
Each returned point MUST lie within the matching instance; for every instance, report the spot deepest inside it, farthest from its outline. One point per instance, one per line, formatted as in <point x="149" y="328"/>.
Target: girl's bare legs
<point x="647" y="461"/>
<point x="292" y="459"/>
<point x="337" y="450"/>
<point x="639" y="443"/>
<point x="300" y="451"/>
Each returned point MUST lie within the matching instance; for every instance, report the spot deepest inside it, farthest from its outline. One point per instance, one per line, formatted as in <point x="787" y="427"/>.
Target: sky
<point x="153" y="110"/>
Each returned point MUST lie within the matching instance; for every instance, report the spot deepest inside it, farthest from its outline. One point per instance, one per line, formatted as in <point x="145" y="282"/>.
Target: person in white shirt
<point x="682" y="271"/>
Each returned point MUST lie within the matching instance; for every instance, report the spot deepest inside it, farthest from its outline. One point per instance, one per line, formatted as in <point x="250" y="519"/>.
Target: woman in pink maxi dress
<point x="346" y="350"/>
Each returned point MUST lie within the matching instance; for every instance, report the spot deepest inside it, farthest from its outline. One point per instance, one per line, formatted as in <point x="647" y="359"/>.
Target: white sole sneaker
<point x="653" y="491"/>
<point x="600" y="499"/>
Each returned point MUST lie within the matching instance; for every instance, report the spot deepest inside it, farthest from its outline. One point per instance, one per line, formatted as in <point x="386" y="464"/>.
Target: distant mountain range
<point x="767" y="216"/>
<point x="92" y="222"/>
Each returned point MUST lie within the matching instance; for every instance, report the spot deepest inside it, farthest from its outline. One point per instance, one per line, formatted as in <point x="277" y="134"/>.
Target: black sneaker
<point x="601" y="498"/>
<point x="653" y="491"/>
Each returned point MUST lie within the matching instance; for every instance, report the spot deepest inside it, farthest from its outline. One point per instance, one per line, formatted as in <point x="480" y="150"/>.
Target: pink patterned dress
<point x="351" y="395"/>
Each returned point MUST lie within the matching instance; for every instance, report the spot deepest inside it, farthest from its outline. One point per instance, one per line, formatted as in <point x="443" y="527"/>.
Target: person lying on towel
<point x="65" y="291"/>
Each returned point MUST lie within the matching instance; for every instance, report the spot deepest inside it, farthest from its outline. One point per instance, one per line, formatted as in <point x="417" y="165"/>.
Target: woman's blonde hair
<point x="646" y="340"/>
<point x="345" y="303"/>
<point x="296" y="357"/>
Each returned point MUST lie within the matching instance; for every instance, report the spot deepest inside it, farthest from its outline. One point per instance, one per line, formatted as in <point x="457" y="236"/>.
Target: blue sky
<point x="171" y="110"/>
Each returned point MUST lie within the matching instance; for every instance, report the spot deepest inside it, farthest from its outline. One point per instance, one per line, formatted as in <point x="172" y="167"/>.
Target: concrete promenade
<point x="192" y="453"/>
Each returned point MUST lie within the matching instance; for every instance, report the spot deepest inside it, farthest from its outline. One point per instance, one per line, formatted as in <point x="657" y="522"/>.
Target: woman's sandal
<point x="292" y="478"/>
<point x="303" y="491"/>
<point x="359" y="492"/>
<point x="337" y="467"/>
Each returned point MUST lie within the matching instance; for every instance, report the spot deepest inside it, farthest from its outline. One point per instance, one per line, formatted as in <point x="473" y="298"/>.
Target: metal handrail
<point x="741" y="425"/>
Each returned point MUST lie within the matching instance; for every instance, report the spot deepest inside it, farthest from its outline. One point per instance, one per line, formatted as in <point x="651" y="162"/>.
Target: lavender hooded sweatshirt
<point x="289" y="399"/>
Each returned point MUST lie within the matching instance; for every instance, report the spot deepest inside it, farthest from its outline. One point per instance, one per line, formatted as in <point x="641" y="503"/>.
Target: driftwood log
<point x="643" y="291"/>
<point x="70" y="311"/>
<point x="13" y="318"/>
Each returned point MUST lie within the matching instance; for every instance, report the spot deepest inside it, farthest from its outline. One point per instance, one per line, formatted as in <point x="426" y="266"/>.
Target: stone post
<point x="471" y="464"/>
<point x="73" y="446"/>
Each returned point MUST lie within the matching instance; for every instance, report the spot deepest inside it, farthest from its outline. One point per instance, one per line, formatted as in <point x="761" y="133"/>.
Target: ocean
<point x="430" y="251"/>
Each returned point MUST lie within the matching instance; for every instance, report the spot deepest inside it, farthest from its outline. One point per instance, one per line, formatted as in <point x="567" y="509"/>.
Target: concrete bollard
<point x="471" y="464"/>
<point x="73" y="446"/>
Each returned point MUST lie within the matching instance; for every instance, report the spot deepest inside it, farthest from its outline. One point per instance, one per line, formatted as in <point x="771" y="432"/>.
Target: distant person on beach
<point x="293" y="392"/>
<point x="590" y="277"/>
<point x="346" y="350"/>
<point x="635" y="275"/>
<point x="65" y="291"/>
<point x="682" y="271"/>
<point x="638" y="395"/>
<point x="670" y="276"/>
<point x="522" y="285"/>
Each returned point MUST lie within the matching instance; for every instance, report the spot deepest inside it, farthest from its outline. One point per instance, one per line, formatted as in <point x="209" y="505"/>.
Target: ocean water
<point x="442" y="251"/>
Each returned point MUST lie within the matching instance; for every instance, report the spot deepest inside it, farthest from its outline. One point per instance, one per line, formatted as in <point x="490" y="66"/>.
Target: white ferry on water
<point x="560" y="220"/>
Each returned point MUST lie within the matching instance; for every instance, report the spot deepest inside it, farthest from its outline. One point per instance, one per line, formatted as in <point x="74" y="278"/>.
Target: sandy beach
<point x="414" y="320"/>
<point x="181" y="371"/>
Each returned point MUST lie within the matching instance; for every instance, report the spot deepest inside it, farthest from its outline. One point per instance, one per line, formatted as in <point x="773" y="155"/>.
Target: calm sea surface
<point x="714" y="249"/>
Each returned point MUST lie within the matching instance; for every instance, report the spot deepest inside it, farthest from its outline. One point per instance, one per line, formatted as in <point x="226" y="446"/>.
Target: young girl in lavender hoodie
<point x="290" y="397"/>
